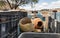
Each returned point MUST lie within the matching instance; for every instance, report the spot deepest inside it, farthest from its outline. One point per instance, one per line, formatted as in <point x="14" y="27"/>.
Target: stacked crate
<point x="9" y="23"/>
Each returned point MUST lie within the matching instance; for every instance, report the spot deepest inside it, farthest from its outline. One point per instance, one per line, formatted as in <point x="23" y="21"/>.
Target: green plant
<point x="35" y="1"/>
<point x="2" y="3"/>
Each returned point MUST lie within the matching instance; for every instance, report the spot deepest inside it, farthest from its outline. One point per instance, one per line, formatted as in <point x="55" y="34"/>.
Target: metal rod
<point x="55" y="22"/>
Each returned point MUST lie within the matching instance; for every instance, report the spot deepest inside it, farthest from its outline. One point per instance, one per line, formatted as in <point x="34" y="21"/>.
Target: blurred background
<point x="18" y="16"/>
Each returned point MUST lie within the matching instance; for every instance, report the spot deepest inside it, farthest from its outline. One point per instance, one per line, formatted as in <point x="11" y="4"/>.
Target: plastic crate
<point x="9" y="23"/>
<point x="39" y="35"/>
